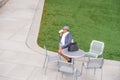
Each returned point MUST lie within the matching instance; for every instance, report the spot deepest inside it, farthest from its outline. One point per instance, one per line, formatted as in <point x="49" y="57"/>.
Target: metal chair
<point x="94" y="63"/>
<point x="96" y="49"/>
<point x="50" y="59"/>
<point x="68" y="70"/>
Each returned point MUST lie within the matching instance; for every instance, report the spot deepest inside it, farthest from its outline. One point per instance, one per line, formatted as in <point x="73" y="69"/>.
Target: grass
<point x="88" y="20"/>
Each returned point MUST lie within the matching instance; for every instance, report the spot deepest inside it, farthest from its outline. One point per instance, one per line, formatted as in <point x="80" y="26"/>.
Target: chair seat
<point x="94" y="63"/>
<point x="89" y="54"/>
<point x="76" y="74"/>
<point x="66" y="69"/>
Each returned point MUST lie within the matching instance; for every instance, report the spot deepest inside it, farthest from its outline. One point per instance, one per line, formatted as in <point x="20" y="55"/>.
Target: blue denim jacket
<point x="68" y="39"/>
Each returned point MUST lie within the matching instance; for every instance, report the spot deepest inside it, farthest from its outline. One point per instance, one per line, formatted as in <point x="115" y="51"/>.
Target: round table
<point x="73" y="54"/>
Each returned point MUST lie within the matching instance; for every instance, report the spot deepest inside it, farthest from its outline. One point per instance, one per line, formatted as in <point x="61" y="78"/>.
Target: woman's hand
<point x="60" y="50"/>
<point x="61" y="32"/>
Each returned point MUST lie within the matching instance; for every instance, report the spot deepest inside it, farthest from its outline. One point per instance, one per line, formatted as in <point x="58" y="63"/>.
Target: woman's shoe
<point x="70" y="60"/>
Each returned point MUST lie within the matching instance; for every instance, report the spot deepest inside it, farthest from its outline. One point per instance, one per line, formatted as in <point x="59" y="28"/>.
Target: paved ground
<point x="20" y="57"/>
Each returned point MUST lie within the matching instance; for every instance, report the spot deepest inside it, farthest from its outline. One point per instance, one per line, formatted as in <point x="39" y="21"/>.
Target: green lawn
<point x="88" y="20"/>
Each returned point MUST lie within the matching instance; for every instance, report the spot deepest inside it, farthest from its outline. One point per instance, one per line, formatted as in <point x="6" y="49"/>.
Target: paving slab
<point x="20" y="71"/>
<point x="5" y="67"/>
<point x="7" y="78"/>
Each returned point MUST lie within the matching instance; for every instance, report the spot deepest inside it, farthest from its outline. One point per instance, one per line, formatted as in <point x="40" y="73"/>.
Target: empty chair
<point x="68" y="70"/>
<point x="94" y="63"/>
<point x="96" y="49"/>
<point x="49" y="59"/>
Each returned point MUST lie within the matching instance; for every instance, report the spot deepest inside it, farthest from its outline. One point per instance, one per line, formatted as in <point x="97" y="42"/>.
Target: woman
<point x="65" y="39"/>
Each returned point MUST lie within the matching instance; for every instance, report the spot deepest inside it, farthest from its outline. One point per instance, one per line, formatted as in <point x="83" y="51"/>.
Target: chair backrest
<point x="96" y="47"/>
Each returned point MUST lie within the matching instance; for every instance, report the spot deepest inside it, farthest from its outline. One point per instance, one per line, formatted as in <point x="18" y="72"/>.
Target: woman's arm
<point x="68" y="40"/>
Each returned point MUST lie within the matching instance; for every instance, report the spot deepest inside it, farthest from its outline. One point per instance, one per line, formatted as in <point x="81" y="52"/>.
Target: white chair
<point x="96" y="49"/>
<point x="68" y="70"/>
<point x="94" y="63"/>
<point x="50" y="59"/>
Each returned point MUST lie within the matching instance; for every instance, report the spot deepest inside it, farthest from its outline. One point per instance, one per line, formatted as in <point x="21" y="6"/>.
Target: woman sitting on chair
<point x="65" y="39"/>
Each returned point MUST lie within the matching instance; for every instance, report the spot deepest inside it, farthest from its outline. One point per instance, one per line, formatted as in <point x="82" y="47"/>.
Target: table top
<point x="73" y="54"/>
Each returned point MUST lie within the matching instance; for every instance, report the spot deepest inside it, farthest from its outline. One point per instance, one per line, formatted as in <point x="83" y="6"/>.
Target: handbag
<point x="73" y="47"/>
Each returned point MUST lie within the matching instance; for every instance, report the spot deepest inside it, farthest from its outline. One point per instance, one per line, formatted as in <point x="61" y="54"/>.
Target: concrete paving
<point x="20" y="56"/>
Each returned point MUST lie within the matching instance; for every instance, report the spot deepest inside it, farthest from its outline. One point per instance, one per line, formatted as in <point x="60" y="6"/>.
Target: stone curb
<point x="31" y="40"/>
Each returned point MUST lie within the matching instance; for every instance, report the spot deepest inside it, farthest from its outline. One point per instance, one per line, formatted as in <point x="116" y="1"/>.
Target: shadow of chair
<point x="50" y="59"/>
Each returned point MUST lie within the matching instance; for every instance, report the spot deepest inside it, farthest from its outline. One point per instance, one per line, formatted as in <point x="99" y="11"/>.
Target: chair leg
<point x="75" y="75"/>
<point x="57" y="75"/>
<point x="101" y="73"/>
<point x="82" y="68"/>
<point x="58" y="63"/>
<point x="46" y="66"/>
<point x="45" y="70"/>
<point x="74" y="78"/>
<point x="45" y="62"/>
<point x="86" y="74"/>
<point x="62" y="75"/>
<point x="94" y="71"/>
